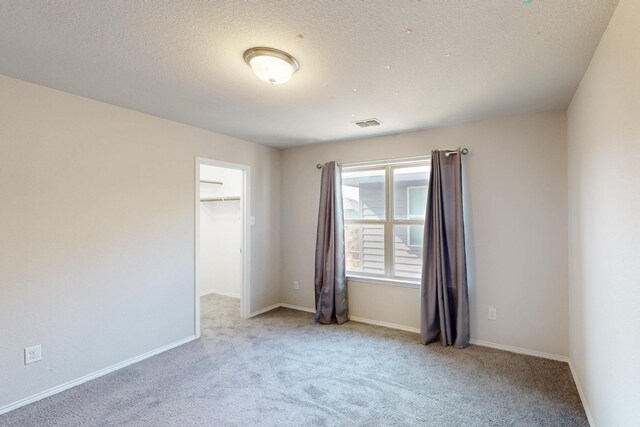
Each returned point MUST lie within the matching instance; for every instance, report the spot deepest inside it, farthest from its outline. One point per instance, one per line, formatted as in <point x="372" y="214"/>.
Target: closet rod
<point x="220" y="199"/>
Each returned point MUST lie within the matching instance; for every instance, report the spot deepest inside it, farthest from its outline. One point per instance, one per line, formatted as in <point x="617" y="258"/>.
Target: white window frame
<point x="388" y="222"/>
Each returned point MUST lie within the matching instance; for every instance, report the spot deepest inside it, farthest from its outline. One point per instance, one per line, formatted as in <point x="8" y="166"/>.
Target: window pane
<point x="410" y="192"/>
<point x="353" y="247"/>
<point x="416" y="235"/>
<point x="407" y="251"/>
<point x="364" y="248"/>
<point x="363" y="194"/>
<point x="417" y="197"/>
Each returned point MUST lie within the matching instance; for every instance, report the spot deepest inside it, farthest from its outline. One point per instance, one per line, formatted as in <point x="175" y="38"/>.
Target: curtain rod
<point x="447" y="153"/>
<point x="464" y="151"/>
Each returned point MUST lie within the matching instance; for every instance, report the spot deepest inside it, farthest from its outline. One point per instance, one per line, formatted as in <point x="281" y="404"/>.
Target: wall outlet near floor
<point x="296" y="285"/>
<point x="32" y="354"/>
<point x="493" y="313"/>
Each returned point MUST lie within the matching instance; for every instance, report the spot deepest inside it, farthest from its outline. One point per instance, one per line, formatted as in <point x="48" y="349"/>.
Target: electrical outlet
<point x="296" y="285"/>
<point x="32" y="354"/>
<point x="493" y="313"/>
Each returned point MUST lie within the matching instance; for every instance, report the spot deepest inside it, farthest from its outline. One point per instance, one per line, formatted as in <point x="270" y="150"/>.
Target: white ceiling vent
<point x="368" y="123"/>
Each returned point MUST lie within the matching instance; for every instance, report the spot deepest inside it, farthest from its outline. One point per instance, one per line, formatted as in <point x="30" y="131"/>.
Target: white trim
<point x="91" y="376"/>
<point x="264" y="310"/>
<point x="583" y="397"/>
<point x="402" y="161"/>
<point x="356" y="319"/>
<point x="196" y="251"/>
<point x="389" y="222"/>
<point x="283" y="305"/>
<point x="298" y="307"/>
<point x="417" y="331"/>
<point x="383" y="281"/>
<point x="225" y="294"/>
<point x="385" y="324"/>
<point x="245" y="293"/>
<point x="519" y="350"/>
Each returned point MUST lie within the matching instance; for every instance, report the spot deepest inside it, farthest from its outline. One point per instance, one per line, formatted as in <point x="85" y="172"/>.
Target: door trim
<point x="245" y="289"/>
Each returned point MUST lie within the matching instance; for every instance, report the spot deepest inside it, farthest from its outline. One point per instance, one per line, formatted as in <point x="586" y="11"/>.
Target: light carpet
<point x="281" y="369"/>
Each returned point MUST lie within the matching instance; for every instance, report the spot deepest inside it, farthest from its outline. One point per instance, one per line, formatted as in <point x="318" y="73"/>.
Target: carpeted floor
<point x="281" y="369"/>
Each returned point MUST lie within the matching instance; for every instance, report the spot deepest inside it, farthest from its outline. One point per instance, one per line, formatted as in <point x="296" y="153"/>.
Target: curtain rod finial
<point x="319" y="166"/>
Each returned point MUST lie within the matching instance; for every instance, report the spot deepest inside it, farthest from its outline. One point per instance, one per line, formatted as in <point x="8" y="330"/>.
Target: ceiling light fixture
<point x="271" y="65"/>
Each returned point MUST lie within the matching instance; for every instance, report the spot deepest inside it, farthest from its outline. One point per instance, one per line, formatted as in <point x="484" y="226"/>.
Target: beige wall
<point x="604" y="209"/>
<point x="516" y="187"/>
<point x="97" y="232"/>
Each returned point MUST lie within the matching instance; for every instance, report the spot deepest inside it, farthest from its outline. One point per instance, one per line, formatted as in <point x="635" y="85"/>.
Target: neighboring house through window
<point x="384" y="209"/>
<point x="416" y="207"/>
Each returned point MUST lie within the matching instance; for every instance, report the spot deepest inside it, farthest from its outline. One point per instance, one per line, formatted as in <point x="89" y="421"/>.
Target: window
<point x="384" y="210"/>
<point x="417" y="201"/>
<point x="416" y="208"/>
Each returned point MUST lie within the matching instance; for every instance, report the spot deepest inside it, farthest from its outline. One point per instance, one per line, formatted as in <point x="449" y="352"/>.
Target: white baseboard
<point x="355" y="319"/>
<point x="482" y="343"/>
<point x="125" y="363"/>
<point x="226" y="294"/>
<point x="284" y="305"/>
<point x="91" y="376"/>
<point x="298" y="307"/>
<point x="264" y="310"/>
<point x="417" y="331"/>
<point x="385" y="324"/>
<point x="583" y="397"/>
<point x="499" y="347"/>
<point x="520" y="350"/>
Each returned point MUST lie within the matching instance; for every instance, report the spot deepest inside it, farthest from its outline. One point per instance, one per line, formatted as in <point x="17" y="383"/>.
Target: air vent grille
<point x="367" y="123"/>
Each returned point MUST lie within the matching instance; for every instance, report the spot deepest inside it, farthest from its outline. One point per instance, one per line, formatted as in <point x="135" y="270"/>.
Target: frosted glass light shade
<point x="271" y="65"/>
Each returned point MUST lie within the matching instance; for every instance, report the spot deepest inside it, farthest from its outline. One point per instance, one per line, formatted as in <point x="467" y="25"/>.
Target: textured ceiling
<point x="182" y="60"/>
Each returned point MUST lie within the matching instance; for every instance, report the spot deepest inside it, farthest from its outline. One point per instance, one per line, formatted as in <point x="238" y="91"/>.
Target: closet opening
<point x="221" y="242"/>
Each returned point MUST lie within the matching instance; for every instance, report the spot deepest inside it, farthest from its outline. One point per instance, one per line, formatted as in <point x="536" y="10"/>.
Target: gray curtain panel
<point x="444" y="296"/>
<point x="330" y="273"/>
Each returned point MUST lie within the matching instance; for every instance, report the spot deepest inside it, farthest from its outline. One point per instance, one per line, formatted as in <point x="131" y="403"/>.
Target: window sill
<point x="383" y="281"/>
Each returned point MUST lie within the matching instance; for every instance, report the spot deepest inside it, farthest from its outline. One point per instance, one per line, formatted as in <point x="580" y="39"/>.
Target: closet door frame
<point x="245" y="289"/>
